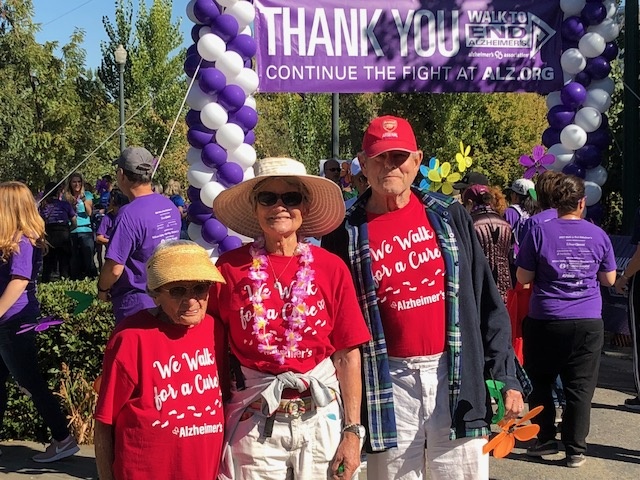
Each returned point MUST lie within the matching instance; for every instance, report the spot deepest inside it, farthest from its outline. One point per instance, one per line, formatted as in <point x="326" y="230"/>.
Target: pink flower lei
<point x="296" y="321"/>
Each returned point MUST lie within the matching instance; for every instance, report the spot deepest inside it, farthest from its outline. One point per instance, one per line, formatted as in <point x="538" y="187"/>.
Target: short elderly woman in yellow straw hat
<point x="159" y="412"/>
<point x="294" y="327"/>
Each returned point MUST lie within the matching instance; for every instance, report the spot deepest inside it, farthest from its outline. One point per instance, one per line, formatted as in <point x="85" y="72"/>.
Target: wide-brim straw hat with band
<point x="180" y="261"/>
<point x="234" y="207"/>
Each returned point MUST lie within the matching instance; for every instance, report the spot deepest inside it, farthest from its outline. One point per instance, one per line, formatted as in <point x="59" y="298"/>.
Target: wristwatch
<point x="356" y="429"/>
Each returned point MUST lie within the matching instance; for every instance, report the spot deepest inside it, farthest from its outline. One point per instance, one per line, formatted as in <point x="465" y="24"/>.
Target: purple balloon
<point x="199" y="213"/>
<point x="595" y="213"/>
<point x="195" y="33"/>
<point x="230" y="174"/>
<point x="198" y="136"/>
<point x="598" y="67"/>
<point x="206" y="11"/>
<point x="589" y="156"/>
<point x="600" y="138"/>
<point x="192" y="50"/>
<point x="211" y="80"/>
<point x="610" y="51"/>
<point x="244" y="45"/>
<point x="572" y="29"/>
<point x="232" y="97"/>
<point x="213" y="155"/>
<point x="250" y="138"/>
<point x="593" y="13"/>
<point x="214" y="231"/>
<point x="192" y="118"/>
<point x="191" y="64"/>
<point x="573" y="169"/>
<point x="246" y="117"/>
<point x="225" y="26"/>
<point x="193" y="194"/>
<point x="573" y="94"/>
<point x="230" y="242"/>
<point x="583" y="78"/>
<point x="559" y="116"/>
<point x="248" y="63"/>
<point x="550" y="137"/>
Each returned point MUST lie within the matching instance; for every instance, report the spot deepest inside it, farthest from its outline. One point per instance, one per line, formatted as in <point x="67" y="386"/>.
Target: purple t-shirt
<point x="26" y="264"/>
<point x="566" y="256"/>
<point x="532" y="221"/>
<point x="57" y="212"/>
<point x="139" y="228"/>
<point x="106" y="225"/>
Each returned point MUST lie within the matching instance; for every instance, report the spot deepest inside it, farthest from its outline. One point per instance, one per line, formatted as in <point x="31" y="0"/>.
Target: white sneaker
<point x="57" y="450"/>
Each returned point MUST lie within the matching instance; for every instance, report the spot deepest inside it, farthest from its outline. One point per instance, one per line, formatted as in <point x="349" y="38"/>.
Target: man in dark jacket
<point x="439" y="327"/>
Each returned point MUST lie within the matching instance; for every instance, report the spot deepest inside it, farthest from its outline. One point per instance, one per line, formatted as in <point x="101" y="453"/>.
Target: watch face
<point x="362" y="432"/>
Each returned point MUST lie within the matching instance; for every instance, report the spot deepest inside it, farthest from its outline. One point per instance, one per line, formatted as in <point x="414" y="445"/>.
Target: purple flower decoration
<point x="535" y="163"/>
<point x="40" y="326"/>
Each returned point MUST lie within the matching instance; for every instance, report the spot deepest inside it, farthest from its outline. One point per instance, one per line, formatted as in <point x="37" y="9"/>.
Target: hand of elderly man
<point x="513" y="404"/>
<point x="347" y="455"/>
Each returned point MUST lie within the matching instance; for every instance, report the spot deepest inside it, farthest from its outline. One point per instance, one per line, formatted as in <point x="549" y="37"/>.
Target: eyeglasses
<point x="332" y="169"/>
<point x="268" y="199"/>
<point x="179" y="292"/>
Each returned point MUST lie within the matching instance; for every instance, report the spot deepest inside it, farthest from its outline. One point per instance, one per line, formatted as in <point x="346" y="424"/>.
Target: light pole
<point x="121" y="59"/>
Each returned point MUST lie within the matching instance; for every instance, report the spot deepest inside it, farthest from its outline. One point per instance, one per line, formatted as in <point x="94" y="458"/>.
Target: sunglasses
<point x="196" y="291"/>
<point x="332" y="169"/>
<point x="268" y="199"/>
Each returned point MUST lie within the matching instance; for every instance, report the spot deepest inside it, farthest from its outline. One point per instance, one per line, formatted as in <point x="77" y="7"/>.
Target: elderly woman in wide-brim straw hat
<point x="160" y="377"/>
<point x="294" y="326"/>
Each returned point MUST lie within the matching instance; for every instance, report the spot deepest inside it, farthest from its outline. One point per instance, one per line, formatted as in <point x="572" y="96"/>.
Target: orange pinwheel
<point x="513" y="430"/>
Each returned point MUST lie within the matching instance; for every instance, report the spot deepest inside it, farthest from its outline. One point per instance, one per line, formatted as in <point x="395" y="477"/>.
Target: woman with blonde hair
<point x="22" y="241"/>
<point x="82" y="242"/>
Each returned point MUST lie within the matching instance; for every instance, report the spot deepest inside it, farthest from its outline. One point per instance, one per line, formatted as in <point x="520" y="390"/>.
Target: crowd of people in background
<point x="403" y="310"/>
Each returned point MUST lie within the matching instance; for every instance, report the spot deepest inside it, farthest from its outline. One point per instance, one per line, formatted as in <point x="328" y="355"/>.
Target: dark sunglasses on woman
<point x="268" y="199"/>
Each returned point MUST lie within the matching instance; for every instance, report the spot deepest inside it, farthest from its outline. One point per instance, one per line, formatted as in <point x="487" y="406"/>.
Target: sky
<point x="58" y="20"/>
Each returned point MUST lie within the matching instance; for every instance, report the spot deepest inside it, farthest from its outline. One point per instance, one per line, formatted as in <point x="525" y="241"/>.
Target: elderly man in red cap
<point x="439" y="327"/>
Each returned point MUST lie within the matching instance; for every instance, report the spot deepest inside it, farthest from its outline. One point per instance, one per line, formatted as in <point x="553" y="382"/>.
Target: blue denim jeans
<point x="18" y="357"/>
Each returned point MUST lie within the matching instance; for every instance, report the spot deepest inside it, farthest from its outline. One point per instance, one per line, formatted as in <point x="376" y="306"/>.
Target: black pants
<point x="634" y="327"/>
<point x="18" y="357"/>
<point x="571" y="349"/>
<point x="82" y="264"/>
<point x="59" y="252"/>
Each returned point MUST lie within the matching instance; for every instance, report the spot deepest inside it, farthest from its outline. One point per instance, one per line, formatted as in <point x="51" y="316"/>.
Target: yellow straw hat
<point x="180" y="261"/>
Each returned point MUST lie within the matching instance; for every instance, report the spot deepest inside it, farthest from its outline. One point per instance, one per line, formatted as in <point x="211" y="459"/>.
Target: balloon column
<point x="223" y="113"/>
<point x="578" y="132"/>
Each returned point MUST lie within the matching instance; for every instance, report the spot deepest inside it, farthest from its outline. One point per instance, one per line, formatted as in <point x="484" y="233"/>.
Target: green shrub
<point x="70" y="357"/>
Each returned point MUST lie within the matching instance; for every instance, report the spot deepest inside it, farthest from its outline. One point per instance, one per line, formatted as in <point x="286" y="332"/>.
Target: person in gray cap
<point x="147" y="220"/>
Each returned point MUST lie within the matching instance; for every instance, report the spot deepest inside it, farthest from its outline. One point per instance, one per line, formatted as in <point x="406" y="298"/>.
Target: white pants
<point x="299" y="448"/>
<point x="423" y="420"/>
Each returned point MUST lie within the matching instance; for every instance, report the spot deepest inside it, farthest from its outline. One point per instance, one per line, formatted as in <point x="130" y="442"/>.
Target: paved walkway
<point x="614" y="443"/>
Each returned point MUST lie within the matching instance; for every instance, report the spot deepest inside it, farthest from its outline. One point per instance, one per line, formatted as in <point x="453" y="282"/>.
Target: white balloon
<point x="226" y="3"/>
<point x="593" y="192"/>
<point x="194" y="155"/>
<point x="204" y="30"/>
<point x="573" y="137"/>
<point x="247" y="80"/>
<point x="243" y="12"/>
<point x="247" y="31"/>
<point x="611" y="6"/>
<point x="210" y="191"/>
<point x="573" y="61"/>
<point x="213" y="253"/>
<point x="195" y="232"/>
<point x="197" y="99"/>
<point x="572" y="7"/>
<point x="211" y="47"/>
<point x="230" y="136"/>
<point x="251" y="101"/>
<point x="230" y="63"/>
<point x="591" y="44"/>
<point x="588" y="118"/>
<point x="597" y="175"/>
<point x="552" y="100"/>
<point x="607" y="84"/>
<point x="598" y="99"/>
<point x="563" y="155"/>
<point x="213" y="115"/>
<point x="609" y="29"/>
<point x="199" y="174"/>
<point x="203" y="243"/>
<point x="244" y="238"/>
<point x="245" y="156"/>
<point x="190" y="14"/>
<point x="566" y="78"/>
<point x="249" y="173"/>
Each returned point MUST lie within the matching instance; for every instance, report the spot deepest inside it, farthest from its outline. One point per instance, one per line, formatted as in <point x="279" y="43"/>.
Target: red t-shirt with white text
<point x="408" y="270"/>
<point x="160" y="393"/>
<point x="334" y="320"/>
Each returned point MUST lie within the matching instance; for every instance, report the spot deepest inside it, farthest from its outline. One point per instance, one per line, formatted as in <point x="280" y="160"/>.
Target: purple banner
<point x="408" y="46"/>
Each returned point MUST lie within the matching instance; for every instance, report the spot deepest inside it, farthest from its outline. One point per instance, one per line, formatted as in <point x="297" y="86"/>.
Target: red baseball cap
<point x="388" y="133"/>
